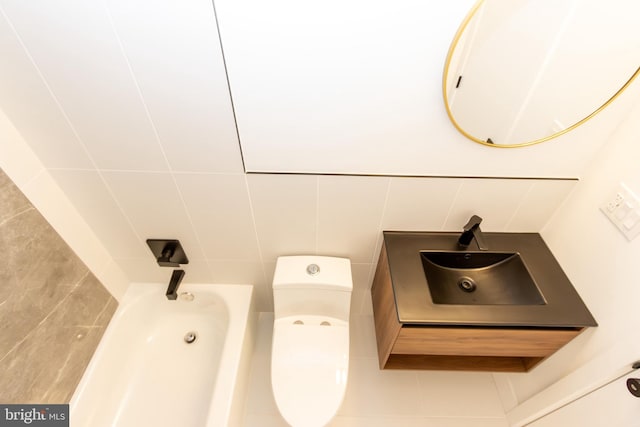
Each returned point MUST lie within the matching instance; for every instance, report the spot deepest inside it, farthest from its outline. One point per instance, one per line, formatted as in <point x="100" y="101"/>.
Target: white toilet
<point x="310" y="347"/>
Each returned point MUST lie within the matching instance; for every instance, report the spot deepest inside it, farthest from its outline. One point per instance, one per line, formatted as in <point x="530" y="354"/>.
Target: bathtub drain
<point x="190" y="337"/>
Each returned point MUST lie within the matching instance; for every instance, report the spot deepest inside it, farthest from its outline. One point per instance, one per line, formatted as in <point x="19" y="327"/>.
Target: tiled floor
<point x="376" y="398"/>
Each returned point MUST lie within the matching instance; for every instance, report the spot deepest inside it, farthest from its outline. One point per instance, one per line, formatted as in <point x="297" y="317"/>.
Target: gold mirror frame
<point x="454" y="44"/>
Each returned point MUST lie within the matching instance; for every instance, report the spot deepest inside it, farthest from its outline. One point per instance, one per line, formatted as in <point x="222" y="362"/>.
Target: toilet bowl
<point x="310" y="347"/>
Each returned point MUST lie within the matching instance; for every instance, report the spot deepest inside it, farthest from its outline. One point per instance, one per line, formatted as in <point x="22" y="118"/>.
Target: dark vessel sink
<point x="484" y="278"/>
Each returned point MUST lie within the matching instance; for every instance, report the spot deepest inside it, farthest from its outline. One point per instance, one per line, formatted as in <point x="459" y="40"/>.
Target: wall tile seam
<point x="383" y="213"/>
<point x="27" y="190"/>
<point x="48" y="87"/>
<point x="136" y="84"/>
<point x="67" y="120"/>
<point x="152" y="122"/>
<point x="113" y="274"/>
<point x="503" y="401"/>
<point x="255" y="230"/>
<point x="187" y="214"/>
<point x="573" y="192"/>
<point x="521" y="203"/>
<point x="177" y="172"/>
<point x="9" y="183"/>
<point x="378" y="244"/>
<point x="452" y="205"/>
<point x="119" y="207"/>
<point x="315" y="174"/>
<point x="317" y="218"/>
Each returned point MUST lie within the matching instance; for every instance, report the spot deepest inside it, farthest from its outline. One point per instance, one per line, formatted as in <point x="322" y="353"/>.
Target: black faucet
<point x="176" y="278"/>
<point x="471" y="231"/>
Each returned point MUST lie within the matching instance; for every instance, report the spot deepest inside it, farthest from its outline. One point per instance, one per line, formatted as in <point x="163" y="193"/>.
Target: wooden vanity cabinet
<point x="455" y="347"/>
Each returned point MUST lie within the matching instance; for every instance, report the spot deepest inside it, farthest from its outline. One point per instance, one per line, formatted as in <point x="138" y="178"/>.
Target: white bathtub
<point x="143" y="373"/>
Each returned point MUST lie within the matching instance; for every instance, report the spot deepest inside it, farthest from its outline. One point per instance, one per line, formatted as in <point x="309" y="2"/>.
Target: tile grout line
<point x="453" y="203"/>
<point x="147" y="113"/>
<point x="68" y="122"/>
<point x="155" y="133"/>
<point x="48" y="87"/>
<point x="317" y="222"/>
<point x="373" y="263"/>
<point x="157" y="139"/>
<point x="385" y="205"/>
<point x="520" y="205"/>
<point x="503" y="403"/>
<point x="255" y="233"/>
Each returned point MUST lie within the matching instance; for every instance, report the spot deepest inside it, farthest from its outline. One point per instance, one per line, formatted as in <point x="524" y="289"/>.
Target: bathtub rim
<point x="228" y="393"/>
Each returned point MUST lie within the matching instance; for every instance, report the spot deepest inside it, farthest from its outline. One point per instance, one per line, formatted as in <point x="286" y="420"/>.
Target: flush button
<point x="313" y="269"/>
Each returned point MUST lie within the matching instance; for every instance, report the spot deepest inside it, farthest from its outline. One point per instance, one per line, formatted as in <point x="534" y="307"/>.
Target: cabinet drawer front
<point x="481" y="341"/>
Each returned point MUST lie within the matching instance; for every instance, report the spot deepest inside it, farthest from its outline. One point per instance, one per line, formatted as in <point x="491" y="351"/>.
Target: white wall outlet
<point x="623" y="210"/>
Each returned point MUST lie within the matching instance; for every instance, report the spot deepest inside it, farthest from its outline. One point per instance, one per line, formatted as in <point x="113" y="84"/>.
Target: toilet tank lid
<point x="298" y="272"/>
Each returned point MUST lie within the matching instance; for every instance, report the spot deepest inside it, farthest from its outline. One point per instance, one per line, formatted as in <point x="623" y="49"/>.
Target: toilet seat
<point x="309" y="368"/>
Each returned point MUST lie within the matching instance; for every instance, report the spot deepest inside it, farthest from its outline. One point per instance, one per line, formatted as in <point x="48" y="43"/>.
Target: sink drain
<point x="466" y="284"/>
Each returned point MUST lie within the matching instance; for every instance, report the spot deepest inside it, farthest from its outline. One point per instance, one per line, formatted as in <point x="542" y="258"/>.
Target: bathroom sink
<point x="515" y="281"/>
<point x="476" y="301"/>
<point x="484" y="278"/>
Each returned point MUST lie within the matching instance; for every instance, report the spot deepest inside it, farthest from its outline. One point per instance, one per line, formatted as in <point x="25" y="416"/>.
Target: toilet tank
<point x="312" y="285"/>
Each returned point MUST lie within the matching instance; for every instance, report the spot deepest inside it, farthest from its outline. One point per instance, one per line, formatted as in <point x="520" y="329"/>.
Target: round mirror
<point x="520" y="72"/>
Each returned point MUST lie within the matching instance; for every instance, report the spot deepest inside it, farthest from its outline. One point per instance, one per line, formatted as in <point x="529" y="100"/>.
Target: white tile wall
<point x="349" y="214"/>
<point x="419" y="204"/>
<point x="535" y="209"/>
<point x="133" y="120"/>
<point x="93" y="200"/>
<point x="32" y="108"/>
<point x="495" y="200"/>
<point x="382" y="398"/>
<point x="285" y="212"/>
<point x="234" y="226"/>
<point x="28" y="173"/>
<point x="19" y="161"/>
<point x="219" y="208"/>
<point x="111" y="122"/>
<point x="174" y="55"/>
<point x="154" y="206"/>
